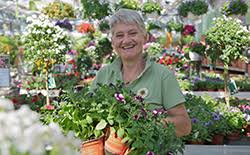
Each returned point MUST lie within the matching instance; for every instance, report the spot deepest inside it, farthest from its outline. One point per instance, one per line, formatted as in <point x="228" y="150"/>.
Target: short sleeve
<point x="171" y="92"/>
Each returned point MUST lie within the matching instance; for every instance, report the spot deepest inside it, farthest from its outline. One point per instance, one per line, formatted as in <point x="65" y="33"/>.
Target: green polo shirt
<point x="156" y="83"/>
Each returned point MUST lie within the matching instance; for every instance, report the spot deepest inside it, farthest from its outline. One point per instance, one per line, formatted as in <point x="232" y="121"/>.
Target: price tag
<point x="4" y="71"/>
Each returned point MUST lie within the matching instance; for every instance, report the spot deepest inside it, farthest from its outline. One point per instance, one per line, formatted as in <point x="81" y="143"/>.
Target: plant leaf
<point x="101" y="125"/>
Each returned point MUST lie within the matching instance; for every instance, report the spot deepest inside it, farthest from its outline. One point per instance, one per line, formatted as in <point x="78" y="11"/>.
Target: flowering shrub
<point x="22" y="133"/>
<point x="188" y="30"/>
<point x="45" y="44"/>
<point x="234" y="7"/>
<point x="59" y="10"/>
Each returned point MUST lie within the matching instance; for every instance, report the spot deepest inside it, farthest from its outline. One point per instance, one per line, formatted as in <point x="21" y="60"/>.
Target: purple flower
<point x="139" y="98"/>
<point x="216" y="116"/>
<point x="170" y="153"/>
<point x="194" y="120"/>
<point x="119" y="97"/>
<point x="150" y="153"/>
<point x="136" y="117"/>
<point x="208" y="124"/>
<point x="64" y="24"/>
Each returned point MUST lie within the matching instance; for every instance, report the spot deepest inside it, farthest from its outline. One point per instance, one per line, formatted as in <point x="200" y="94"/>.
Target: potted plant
<point x="234" y="7"/>
<point x="151" y="9"/>
<point x="201" y="118"/>
<point x="129" y="4"/>
<point x="129" y="115"/>
<point x="197" y="51"/>
<point x="45" y="45"/>
<point x="59" y="10"/>
<point x="227" y="40"/>
<point x="174" y="26"/>
<point x="235" y="122"/>
<point x="196" y="7"/>
<point x="95" y="9"/>
<point x="84" y="113"/>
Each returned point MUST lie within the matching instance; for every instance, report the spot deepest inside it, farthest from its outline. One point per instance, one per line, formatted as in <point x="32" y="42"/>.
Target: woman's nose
<point x="127" y="39"/>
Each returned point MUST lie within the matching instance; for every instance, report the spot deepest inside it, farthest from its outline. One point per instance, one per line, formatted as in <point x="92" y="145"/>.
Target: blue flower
<point x="216" y="116"/>
<point x="194" y="120"/>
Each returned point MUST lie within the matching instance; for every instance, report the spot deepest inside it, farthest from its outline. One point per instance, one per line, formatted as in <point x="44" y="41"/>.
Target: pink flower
<point x="119" y="97"/>
<point x="49" y="107"/>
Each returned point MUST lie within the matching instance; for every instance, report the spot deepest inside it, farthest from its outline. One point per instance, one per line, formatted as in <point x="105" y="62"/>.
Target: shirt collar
<point x="116" y="64"/>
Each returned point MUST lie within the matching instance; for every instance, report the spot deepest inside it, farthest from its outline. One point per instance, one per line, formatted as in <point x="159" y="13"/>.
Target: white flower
<point x="6" y="104"/>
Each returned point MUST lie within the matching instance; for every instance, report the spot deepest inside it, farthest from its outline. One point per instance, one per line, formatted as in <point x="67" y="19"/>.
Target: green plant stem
<point x="47" y="87"/>
<point x="226" y="78"/>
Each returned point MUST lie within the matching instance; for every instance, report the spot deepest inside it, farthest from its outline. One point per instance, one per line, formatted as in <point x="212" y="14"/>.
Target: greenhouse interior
<point x="67" y="84"/>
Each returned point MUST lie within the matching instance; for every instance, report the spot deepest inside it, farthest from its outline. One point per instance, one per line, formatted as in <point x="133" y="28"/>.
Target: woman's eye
<point x="119" y="36"/>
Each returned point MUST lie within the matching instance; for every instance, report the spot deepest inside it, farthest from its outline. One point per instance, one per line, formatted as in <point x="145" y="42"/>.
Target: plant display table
<point x="216" y="150"/>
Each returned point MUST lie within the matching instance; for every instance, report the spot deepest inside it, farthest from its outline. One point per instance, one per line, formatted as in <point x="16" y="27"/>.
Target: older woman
<point x="154" y="82"/>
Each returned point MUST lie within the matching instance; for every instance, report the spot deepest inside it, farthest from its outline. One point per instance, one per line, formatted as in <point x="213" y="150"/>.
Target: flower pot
<point x="196" y="142"/>
<point x="114" y="144"/>
<point x="233" y="136"/>
<point x="93" y="147"/>
<point x="194" y="56"/>
<point x="218" y="139"/>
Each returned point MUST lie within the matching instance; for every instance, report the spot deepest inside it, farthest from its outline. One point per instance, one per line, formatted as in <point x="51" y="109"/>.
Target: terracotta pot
<point x="114" y="144"/>
<point x="218" y="139"/>
<point x="93" y="147"/>
<point x="233" y="136"/>
<point x="198" y="142"/>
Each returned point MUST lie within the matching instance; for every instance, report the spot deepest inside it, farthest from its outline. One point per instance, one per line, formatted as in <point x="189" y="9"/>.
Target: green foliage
<point x="150" y="7"/>
<point x="128" y="4"/>
<point x="83" y="62"/>
<point x="94" y="9"/>
<point x="198" y="47"/>
<point x="59" y="10"/>
<point x="234" y="7"/>
<point x="227" y="40"/>
<point x="9" y="46"/>
<point x="88" y="113"/>
<point x="197" y="7"/>
<point x="174" y="26"/>
<point x="103" y="48"/>
<point x="104" y="26"/>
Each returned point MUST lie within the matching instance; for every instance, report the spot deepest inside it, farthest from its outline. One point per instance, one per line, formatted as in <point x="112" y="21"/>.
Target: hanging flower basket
<point x="194" y="56"/>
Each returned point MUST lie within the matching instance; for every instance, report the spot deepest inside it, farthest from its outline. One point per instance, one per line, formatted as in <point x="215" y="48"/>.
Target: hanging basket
<point x="195" y="56"/>
<point x="93" y="147"/>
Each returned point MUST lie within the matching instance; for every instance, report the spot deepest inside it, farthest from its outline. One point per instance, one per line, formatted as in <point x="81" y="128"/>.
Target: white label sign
<point x="4" y="77"/>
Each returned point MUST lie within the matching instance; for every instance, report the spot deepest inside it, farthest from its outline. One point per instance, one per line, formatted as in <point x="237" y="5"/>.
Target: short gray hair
<point x="127" y="16"/>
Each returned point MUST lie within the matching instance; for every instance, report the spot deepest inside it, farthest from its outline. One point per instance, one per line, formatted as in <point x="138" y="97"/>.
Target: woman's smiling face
<point x="128" y="40"/>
